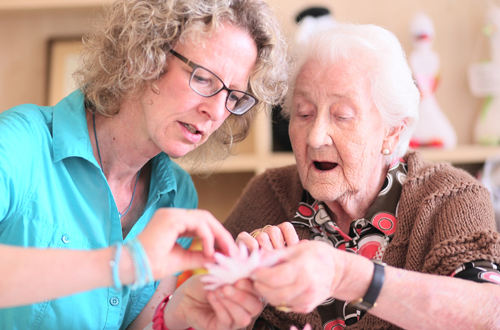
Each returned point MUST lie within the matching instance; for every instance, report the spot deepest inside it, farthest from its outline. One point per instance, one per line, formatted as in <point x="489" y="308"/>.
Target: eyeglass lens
<point x="206" y="83"/>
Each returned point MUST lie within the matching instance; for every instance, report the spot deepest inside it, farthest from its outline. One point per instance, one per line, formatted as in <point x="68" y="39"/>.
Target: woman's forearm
<point x="31" y="275"/>
<point x="414" y="300"/>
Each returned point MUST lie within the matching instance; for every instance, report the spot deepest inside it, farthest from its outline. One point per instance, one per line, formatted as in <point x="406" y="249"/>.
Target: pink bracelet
<point x="158" y="320"/>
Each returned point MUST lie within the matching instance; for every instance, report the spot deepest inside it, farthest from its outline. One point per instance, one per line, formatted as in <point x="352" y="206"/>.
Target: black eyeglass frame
<point x="195" y="66"/>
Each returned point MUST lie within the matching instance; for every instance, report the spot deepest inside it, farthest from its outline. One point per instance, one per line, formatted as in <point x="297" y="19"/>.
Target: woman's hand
<point x="306" y="275"/>
<point x="229" y="307"/>
<point x="167" y="225"/>
<point x="270" y="237"/>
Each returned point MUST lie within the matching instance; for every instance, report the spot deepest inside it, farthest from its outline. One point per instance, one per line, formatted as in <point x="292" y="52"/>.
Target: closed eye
<point x="201" y="80"/>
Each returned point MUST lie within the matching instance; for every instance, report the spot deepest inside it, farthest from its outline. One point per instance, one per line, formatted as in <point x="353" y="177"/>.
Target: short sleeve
<point x="19" y="147"/>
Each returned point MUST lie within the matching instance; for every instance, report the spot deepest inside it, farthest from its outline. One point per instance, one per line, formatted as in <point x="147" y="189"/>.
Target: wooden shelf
<point x="463" y="154"/>
<point x="246" y="163"/>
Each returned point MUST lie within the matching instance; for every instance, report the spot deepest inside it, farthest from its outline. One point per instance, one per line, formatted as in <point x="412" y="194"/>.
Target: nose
<point x="215" y="106"/>
<point x="320" y="133"/>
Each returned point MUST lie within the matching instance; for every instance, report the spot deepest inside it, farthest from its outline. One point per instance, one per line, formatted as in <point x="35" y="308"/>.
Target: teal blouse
<point x="54" y="195"/>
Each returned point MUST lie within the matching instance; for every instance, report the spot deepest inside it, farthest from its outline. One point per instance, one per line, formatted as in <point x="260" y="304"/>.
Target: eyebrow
<point x="192" y="65"/>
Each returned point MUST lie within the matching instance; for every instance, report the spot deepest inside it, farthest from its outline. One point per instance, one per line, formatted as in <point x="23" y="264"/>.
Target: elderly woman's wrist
<point x="355" y="278"/>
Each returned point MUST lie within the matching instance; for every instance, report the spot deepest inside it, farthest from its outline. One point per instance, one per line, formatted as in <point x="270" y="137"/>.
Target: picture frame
<point x="63" y="60"/>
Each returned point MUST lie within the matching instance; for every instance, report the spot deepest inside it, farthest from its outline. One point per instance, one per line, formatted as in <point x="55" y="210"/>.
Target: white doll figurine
<point x="433" y="128"/>
<point x="313" y="20"/>
<point x="484" y="80"/>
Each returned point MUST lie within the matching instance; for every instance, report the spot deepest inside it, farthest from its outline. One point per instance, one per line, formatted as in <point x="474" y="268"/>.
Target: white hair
<point x="380" y="54"/>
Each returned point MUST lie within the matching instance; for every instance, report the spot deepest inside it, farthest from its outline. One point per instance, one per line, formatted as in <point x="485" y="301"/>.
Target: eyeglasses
<point x="206" y="83"/>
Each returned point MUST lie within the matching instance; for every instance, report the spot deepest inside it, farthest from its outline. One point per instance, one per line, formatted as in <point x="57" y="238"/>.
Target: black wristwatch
<point x="368" y="301"/>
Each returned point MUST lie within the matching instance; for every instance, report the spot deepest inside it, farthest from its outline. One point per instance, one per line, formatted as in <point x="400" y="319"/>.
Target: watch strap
<point x="371" y="295"/>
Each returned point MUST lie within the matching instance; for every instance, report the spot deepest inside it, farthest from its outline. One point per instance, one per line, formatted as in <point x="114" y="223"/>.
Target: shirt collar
<point x="381" y="214"/>
<point x="69" y="129"/>
<point x="163" y="173"/>
<point x="387" y="200"/>
<point x="71" y="139"/>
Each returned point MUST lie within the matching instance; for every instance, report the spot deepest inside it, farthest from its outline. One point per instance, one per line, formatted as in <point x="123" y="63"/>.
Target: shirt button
<point x="65" y="239"/>
<point x="114" y="301"/>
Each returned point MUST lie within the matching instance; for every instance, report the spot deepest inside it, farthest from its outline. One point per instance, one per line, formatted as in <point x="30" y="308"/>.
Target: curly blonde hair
<point x="130" y="47"/>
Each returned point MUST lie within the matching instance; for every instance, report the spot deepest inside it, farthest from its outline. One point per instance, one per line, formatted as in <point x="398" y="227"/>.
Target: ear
<point x="391" y="139"/>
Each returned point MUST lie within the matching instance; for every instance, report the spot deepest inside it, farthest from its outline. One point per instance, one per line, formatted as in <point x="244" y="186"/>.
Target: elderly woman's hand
<point x="270" y="237"/>
<point x="306" y="275"/>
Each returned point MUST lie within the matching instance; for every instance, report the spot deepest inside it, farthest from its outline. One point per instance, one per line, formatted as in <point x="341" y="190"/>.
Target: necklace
<point x="100" y="162"/>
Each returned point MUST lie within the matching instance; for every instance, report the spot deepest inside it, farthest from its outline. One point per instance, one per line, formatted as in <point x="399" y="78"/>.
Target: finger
<point x="223" y="238"/>
<point x="247" y="239"/>
<point x="203" y="224"/>
<point x="283" y="284"/>
<point x="283" y="273"/>
<point x="294" y="296"/>
<point x="264" y="241"/>
<point x="203" y="230"/>
<point x="246" y="285"/>
<point x="179" y="222"/>
<point x="248" y="300"/>
<point x="241" y="305"/>
<point x="223" y="316"/>
<point x="275" y="235"/>
<point x="181" y="259"/>
<point x="289" y="233"/>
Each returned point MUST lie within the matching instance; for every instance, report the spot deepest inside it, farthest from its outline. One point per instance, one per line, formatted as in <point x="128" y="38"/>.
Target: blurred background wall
<point x="26" y="26"/>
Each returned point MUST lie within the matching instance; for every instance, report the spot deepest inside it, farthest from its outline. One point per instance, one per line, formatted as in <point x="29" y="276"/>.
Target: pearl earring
<point x="386" y="152"/>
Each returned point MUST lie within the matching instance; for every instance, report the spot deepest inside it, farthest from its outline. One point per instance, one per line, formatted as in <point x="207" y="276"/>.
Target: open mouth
<point x="325" y="166"/>
<point x="191" y="128"/>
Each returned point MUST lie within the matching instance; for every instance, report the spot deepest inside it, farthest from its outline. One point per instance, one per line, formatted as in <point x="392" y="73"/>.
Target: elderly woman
<point x="93" y="173"/>
<point x="374" y="215"/>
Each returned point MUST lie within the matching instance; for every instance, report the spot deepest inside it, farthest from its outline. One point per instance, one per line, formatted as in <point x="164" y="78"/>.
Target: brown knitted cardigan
<point x="445" y="219"/>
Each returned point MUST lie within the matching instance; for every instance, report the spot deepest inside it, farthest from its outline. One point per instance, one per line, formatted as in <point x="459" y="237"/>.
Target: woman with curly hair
<point x="93" y="207"/>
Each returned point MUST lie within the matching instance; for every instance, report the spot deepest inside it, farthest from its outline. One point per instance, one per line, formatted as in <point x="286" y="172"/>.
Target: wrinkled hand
<point x="306" y="275"/>
<point x="166" y="256"/>
<point x="270" y="237"/>
<point x="229" y="307"/>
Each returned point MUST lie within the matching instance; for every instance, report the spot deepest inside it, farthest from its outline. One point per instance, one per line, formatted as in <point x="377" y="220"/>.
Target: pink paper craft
<point x="229" y="270"/>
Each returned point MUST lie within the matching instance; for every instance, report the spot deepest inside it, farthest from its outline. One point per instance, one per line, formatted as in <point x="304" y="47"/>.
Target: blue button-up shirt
<point x="54" y="195"/>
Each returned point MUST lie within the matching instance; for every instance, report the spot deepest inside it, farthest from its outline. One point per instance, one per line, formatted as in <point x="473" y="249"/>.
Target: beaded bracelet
<point x="115" y="266"/>
<point x="143" y="273"/>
